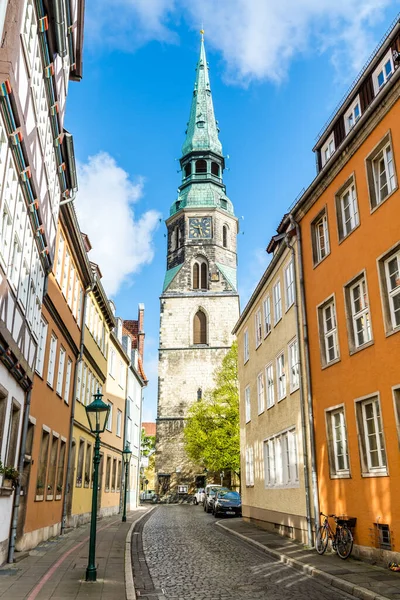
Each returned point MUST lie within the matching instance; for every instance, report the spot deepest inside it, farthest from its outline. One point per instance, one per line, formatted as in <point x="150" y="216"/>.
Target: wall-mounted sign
<point x="182" y="489"/>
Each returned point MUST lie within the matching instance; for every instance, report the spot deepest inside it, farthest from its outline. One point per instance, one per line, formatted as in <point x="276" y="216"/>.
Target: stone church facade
<point x="199" y="305"/>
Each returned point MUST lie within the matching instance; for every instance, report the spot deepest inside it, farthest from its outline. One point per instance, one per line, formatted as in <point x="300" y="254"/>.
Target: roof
<point x="131" y="329"/>
<point x="149" y="428"/>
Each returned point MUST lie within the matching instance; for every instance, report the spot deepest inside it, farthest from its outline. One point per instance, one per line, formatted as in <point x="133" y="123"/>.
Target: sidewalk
<point x="355" y="577"/>
<point x="56" y="569"/>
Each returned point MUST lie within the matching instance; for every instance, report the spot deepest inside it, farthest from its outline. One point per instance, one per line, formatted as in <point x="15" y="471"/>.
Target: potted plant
<point x="10" y="475"/>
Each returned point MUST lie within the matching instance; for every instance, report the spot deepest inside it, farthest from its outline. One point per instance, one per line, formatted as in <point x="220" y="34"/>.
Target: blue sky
<point x="277" y="72"/>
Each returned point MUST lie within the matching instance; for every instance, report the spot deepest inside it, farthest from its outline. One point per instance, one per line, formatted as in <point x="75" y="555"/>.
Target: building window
<point x="88" y="465"/>
<point x="247" y="404"/>
<point x="119" y="475"/>
<point x="246" y="354"/>
<point x="383" y="72"/>
<point x="225" y="236"/>
<point x="51" y="479"/>
<point x="119" y="422"/>
<point x="201" y="166"/>
<point x="357" y="306"/>
<point x="188" y="169"/>
<point x="260" y="393"/>
<point x="347" y="209"/>
<point x="277" y="302"/>
<point x="381" y="173"/>
<point x="108" y="474"/>
<point x="280" y="460"/>
<point x="81" y="456"/>
<point x="60" y="372"/>
<point x="11" y="452"/>
<point x="289" y="285"/>
<point x="249" y="466"/>
<point x="267" y="316"/>
<point x="281" y="376"/>
<point x="269" y="376"/>
<point x="258" y="327"/>
<point x="390" y="277"/>
<point x="29" y="32"/>
<point x="42" y="468"/>
<point x="110" y="416"/>
<point x="60" y="470"/>
<point x="215" y="169"/>
<point x="200" y="275"/>
<point x="200" y="328"/>
<point x="371" y="440"/>
<point x="328" y="149"/>
<point x="294" y="370"/>
<point x="114" y="475"/>
<point x="68" y="381"/>
<point x="41" y="346"/>
<point x="112" y="363"/>
<point x="52" y="360"/>
<point x="337" y="442"/>
<point x="384" y="541"/>
<point x="121" y="374"/>
<point x="320" y="237"/>
<point x="65" y="278"/>
<point x="328" y="332"/>
<point x="352" y="115"/>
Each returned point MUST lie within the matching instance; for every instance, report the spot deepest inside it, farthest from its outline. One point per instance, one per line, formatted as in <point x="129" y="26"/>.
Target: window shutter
<point x="200" y="328"/>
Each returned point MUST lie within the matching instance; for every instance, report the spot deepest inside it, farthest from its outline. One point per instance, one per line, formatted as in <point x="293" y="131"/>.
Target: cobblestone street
<point x="188" y="557"/>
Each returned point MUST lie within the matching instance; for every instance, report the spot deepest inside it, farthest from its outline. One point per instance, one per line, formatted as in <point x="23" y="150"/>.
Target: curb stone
<point x="130" y="592"/>
<point x="353" y="590"/>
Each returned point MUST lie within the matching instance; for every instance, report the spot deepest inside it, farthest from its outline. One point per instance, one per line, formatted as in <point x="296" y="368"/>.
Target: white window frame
<point x="270" y="384"/>
<point x="336" y="469"/>
<point x="250" y="466"/>
<point x="119" y="423"/>
<point x="258" y="327"/>
<point x="289" y="285"/>
<point x="326" y="333"/>
<point x="348" y="201"/>
<point x="281" y="464"/>
<point x="52" y="360"/>
<point x="247" y="404"/>
<point x="60" y="257"/>
<point x="67" y="381"/>
<point x="246" y="353"/>
<point x="328" y="149"/>
<point x="393" y="293"/>
<point x="321" y="232"/>
<point x="362" y="314"/>
<point x="385" y="154"/>
<point x="277" y="302"/>
<point x="112" y="363"/>
<point x="281" y="376"/>
<point x="109" y="420"/>
<point x="267" y="315"/>
<point x="294" y="365"/>
<point x="60" y="371"/>
<point x="352" y="115"/>
<point x="378" y="433"/>
<point x="381" y="69"/>
<point x="41" y="348"/>
<point x="260" y="393"/>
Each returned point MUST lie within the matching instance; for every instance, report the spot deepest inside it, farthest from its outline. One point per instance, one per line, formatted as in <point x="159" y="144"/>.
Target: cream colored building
<point x="274" y="433"/>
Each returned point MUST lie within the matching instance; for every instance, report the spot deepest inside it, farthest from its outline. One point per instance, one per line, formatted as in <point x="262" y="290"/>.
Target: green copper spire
<point x="202" y="130"/>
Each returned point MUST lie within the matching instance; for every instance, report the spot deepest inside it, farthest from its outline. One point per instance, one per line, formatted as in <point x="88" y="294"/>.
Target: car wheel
<point x="195" y="501"/>
<point x="216" y="513"/>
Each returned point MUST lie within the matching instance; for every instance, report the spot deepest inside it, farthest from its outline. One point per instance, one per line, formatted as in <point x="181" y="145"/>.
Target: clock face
<point x="200" y="227"/>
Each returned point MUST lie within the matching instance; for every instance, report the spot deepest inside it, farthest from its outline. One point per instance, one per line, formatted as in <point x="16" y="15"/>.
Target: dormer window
<point x="224" y="203"/>
<point x="201" y="166"/>
<point x="328" y="149"/>
<point x="188" y="169"/>
<point x="383" y="72"/>
<point x="215" y="169"/>
<point x="352" y="115"/>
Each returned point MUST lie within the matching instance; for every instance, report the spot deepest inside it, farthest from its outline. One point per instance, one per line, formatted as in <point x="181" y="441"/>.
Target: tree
<point x="147" y="444"/>
<point x="212" y="426"/>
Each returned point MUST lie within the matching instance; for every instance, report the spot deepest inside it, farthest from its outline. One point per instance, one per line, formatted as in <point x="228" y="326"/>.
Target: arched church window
<point x="201" y="166"/>
<point x="188" y="169"/>
<point x="225" y="236"/>
<point x="215" y="168"/>
<point x="196" y="276"/>
<point x="204" y="276"/>
<point x="200" y="328"/>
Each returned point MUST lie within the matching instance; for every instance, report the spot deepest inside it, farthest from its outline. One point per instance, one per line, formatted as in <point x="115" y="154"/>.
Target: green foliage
<point x="212" y="426"/>
<point x="148" y="444"/>
<point x="9" y="472"/>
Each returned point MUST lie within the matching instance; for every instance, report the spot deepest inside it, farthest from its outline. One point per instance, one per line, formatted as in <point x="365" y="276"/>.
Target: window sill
<point x="316" y="264"/>
<point x="330" y="364"/>
<point x="287" y="308"/>
<point x="246" y="361"/>
<point x="39" y="374"/>
<point x="249" y="421"/>
<point x="58" y="497"/>
<point x="49" y="497"/>
<point x="258" y="345"/>
<point x="39" y="498"/>
<point x="277" y="322"/>
<point x="368" y="474"/>
<point x="267" y="334"/>
<point x="374" y="208"/>
<point x="280" y="399"/>
<point x="249" y="485"/>
<point x="6" y="491"/>
<point x="283" y="486"/>
<point x="392" y="331"/>
<point x="260" y="412"/>
<point x="292" y="391"/>
<point x="272" y="406"/>
<point x="345" y="475"/>
<point x="50" y="385"/>
<point x="59" y="395"/>
<point x="366" y="345"/>
<point x="344" y="237"/>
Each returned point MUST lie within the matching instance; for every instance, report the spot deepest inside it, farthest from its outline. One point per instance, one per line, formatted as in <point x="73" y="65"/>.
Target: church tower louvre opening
<point x="199" y="303"/>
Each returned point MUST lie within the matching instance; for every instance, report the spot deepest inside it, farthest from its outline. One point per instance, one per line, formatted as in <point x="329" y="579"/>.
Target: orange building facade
<point x="350" y="229"/>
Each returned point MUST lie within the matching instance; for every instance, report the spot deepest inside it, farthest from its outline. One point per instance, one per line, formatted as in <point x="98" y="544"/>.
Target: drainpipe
<point x="140" y="447"/>
<point x="302" y="402"/>
<point x="122" y="486"/>
<point x="72" y="417"/>
<point x="314" y="482"/>
<point x="17" y="493"/>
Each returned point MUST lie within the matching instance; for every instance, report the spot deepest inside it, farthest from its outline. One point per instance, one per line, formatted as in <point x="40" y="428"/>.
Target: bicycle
<point x="342" y="538"/>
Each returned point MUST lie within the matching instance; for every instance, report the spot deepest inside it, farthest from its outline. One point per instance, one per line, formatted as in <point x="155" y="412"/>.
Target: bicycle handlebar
<point x="328" y="516"/>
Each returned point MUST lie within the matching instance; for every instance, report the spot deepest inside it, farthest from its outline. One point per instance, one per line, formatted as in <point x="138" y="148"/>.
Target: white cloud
<point x="257" y="38"/>
<point x="250" y="277"/>
<point x="122" y="244"/>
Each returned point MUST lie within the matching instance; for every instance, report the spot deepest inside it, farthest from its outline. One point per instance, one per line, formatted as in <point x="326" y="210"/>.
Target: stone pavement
<point x="56" y="569"/>
<point x="355" y="577"/>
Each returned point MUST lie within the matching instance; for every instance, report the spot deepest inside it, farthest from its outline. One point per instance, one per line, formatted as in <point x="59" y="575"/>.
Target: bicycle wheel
<point x="344" y="542"/>
<point x="321" y="541"/>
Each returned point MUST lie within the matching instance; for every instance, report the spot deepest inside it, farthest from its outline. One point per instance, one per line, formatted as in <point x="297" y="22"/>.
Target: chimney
<point x="141" y="331"/>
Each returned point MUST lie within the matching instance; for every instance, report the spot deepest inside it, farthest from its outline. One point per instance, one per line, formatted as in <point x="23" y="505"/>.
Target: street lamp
<point x="97" y="413"/>
<point x="126" y="455"/>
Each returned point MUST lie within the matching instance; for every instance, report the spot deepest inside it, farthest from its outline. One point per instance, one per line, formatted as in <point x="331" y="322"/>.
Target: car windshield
<point x="217" y="490"/>
<point x="228" y="495"/>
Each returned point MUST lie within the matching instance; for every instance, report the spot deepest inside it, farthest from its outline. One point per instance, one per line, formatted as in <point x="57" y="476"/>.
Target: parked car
<point x="210" y="492"/>
<point x="147" y="495"/>
<point x="227" y="502"/>
<point x="198" y="498"/>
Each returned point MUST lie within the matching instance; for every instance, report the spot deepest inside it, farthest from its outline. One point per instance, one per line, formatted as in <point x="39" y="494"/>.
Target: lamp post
<point x="126" y="455"/>
<point x="97" y="413"/>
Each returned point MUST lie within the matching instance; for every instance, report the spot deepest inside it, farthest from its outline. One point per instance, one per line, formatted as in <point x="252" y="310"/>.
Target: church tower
<point x="199" y="304"/>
